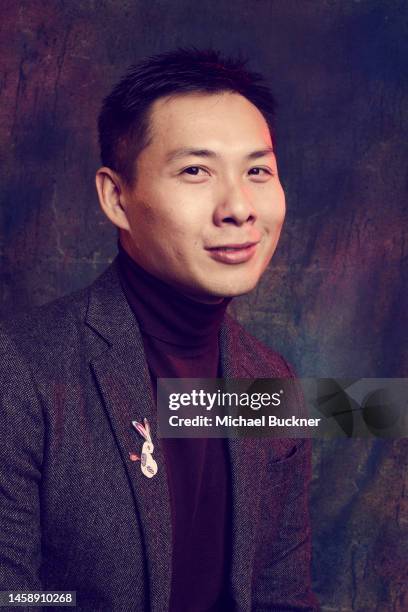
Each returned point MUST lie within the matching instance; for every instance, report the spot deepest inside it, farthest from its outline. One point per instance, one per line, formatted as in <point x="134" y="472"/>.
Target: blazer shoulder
<point x="61" y="314"/>
<point x="53" y="317"/>
<point x="57" y="331"/>
<point x="45" y="336"/>
<point x="258" y="359"/>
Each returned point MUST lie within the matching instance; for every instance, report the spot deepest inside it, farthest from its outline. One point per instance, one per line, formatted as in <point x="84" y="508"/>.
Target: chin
<point x="232" y="288"/>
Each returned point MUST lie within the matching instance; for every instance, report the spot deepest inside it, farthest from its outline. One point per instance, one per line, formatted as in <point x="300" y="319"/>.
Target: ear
<point x="111" y="197"/>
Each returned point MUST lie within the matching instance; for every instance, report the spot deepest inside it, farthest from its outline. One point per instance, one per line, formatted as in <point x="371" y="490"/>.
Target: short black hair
<point x="123" y="122"/>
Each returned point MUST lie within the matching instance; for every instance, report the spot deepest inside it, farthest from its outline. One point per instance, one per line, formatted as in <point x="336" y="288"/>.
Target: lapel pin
<point x="147" y="463"/>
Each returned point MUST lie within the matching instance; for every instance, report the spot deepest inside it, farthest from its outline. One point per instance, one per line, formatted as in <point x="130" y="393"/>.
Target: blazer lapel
<point x="124" y="383"/>
<point x="247" y="458"/>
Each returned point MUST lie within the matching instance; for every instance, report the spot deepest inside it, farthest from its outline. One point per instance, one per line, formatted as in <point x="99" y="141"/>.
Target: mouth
<point x="233" y="253"/>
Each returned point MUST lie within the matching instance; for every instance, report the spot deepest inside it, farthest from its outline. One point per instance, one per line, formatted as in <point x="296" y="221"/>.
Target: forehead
<point x="202" y="119"/>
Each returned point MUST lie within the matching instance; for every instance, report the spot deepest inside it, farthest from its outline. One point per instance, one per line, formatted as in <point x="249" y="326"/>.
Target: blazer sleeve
<point x="21" y="453"/>
<point x="283" y="556"/>
<point x="283" y="581"/>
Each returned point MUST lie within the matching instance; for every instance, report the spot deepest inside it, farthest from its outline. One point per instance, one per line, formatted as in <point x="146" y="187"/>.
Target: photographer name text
<point x="240" y="421"/>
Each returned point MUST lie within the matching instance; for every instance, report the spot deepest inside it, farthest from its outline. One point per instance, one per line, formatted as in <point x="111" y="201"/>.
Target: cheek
<point x="142" y="215"/>
<point x="171" y="217"/>
<point x="148" y="218"/>
<point x="275" y="210"/>
<point x="281" y="210"/>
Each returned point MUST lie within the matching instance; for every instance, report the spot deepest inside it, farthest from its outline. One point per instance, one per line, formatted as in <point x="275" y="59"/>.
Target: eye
<point x="261" y="171"/>
<point x="193" y="170"/>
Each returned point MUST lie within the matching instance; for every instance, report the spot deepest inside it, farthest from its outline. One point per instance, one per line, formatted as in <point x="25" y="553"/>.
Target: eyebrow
<point x="189" y="151"/>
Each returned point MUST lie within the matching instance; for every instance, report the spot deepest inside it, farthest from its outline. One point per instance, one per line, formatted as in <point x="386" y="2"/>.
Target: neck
<point x="165" y="312"/>
<point x="124" y="245"/>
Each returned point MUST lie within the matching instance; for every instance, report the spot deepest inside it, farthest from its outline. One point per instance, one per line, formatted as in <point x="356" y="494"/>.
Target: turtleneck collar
<point x="166" y="314"/>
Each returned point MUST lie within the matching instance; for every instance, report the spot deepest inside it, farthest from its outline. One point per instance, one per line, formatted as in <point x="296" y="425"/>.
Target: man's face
<point x="206" y="185"/>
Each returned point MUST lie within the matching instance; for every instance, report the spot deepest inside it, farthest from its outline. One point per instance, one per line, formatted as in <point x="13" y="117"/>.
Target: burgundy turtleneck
<point x="180" y="337"/>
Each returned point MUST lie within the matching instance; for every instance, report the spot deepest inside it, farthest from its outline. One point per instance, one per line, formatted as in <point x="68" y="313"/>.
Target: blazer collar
<point x="119" y="365"/>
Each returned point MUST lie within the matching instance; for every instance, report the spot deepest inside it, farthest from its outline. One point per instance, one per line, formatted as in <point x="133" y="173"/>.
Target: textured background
<point x="334" y="299"/>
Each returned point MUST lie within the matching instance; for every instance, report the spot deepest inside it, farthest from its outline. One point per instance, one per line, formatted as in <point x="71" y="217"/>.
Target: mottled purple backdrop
<point x="334" y="299"/>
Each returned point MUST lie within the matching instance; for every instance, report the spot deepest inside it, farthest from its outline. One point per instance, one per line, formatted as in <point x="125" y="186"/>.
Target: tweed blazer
<point x="77" y="514"/>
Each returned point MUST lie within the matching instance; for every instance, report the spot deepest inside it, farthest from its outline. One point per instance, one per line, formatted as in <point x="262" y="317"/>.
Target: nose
<point x="235" y="206"/>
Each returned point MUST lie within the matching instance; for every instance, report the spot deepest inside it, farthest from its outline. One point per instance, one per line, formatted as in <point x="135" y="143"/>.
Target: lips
<point x="233" y="253"/>
<point x="233" y="246"/>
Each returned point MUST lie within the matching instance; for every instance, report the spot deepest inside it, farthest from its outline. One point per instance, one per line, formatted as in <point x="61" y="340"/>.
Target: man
<point x="189" y="178"/>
